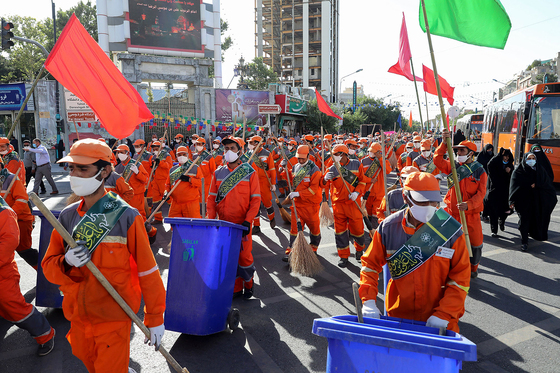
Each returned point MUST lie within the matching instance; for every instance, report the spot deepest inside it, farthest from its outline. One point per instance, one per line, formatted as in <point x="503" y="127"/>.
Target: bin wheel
<point x="233" y="319"/>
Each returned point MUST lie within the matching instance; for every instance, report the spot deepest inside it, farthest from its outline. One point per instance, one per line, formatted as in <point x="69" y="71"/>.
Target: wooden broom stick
<point x="12" y="183"/>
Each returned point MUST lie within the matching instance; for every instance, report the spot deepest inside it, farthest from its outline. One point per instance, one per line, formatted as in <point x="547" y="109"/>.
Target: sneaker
<point x="47" y="347"/>
<point x="474" y="274"/>
<point x="272" y="223"/>
<point x="130" y="370"/>
<point x="502" y="225"/>
<point x="343" y="262"/>
<point x="495" y="235"/>
<point x="286" y="258"/>
<point x="43" y="192"/>
<point x="256" y="229"/>
<point x="247" y="293"/>
<point x="359" y="255"/>
<point x="54" y="192"/>
<point x="524" y="247"/>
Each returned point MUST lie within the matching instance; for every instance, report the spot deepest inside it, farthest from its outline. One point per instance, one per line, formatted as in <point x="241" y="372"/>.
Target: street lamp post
<point x="340" y="86"/>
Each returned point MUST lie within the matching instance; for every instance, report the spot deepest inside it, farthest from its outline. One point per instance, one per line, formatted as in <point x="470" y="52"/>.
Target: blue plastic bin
<point x="391" y="345"/>
<point x="47" y="294"/>
<point x="202" y="272"/>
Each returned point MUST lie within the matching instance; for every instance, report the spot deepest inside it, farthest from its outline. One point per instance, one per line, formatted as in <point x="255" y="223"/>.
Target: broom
<point x="302" y="258"/>
<point x="325" y="213"/>
<point x="283" y="213"/>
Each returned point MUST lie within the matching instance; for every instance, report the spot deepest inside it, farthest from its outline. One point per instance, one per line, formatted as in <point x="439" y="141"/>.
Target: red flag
<point x="402" y="67"/>
<point x="430" y="85"/>
<point x="81" y="66"/>
<point x="324" y="107"/>
<point x="410" y="120"/>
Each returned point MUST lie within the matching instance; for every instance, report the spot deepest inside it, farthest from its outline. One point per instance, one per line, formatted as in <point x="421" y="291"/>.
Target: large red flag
<point x="81" y="66"/>
<point x="402" y="67"/>
<point x="430" y="85"/>
<point x="323" y="106"/>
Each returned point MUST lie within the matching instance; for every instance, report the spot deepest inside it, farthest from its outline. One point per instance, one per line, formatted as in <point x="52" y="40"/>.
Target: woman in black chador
<point x="496" y="204"/>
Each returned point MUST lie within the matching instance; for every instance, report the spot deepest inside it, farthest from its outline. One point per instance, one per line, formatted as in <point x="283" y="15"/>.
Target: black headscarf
<point x="542" y="159"/>
<point x="458" y="137"/>
<point x="497" y="187"/>
<point x="485" y="156"/>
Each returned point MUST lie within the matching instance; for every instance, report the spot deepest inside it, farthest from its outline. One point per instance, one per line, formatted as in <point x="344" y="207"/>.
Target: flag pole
<point x="427" y="112"/>
<point x="417" y="98"/>
<point x="448" y="140"/>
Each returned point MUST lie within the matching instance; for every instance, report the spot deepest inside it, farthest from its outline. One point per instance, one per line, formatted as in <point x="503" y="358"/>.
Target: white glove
<point x="353" y="196"/>
<point x="422" y="168"/>
<point x="156" y="334"/>
<point x="78" y="256"/>
<point x="273" y="188"/>
<point x="369" y="309"/>
<point x="436" y="322"/>
<point x="329" y="176"/>
<point x="264" y="159"/>
<point x="294" y="195"/>
<point x="134" y="169"/>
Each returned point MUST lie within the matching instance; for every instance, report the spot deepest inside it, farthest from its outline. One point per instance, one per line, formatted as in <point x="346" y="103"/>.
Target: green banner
<point x="179" y="171"/>
<point x="231" y="180"/>
<point x="349" y="176"/>
<point x="301" y="173"/>
<point x="463" y="171"/>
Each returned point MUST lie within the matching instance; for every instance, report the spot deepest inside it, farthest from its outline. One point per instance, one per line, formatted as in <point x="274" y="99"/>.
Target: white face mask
<point x="122" y="157"/>
<point x="304" y="164"/>
<point x="250" y="146"/>
<point x="231" y="156"/>
<point x="4" y="152"/>
<point x="156" y="152"/>
<point x="426" y="153"/>
<point x="337" y="158"/>
<point x="216" y="146"/>
<point x="199" y="148"/>
<point x="416" y="145"/>
<point x="409" y="149"/>
<point x="182" y="159"/>
<point x="84" y="186"/>
<point x="178" y="141"/>
<point x="531" y="162"/>
<point x="462" y="158"/>
<point x="351" y="151"/>
<point x="290" y="147"/>
<point x="339" y="141"/>
<point x="422" y="213"/>
<point x="371" y="154"/>
<point x="137" y="150"/>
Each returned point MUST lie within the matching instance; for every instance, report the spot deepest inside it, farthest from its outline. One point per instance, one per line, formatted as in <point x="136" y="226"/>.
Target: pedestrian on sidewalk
<point x="43" y="166"/>
<point x="496" y="203"/>
<point x="30" y="166"/>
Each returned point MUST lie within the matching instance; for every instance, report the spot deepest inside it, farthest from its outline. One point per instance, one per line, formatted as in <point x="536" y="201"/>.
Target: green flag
<point x="478" y="22"/>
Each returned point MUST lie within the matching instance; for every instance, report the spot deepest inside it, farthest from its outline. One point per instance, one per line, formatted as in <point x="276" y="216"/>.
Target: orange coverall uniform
<point x="438" y="287"/>
<point x="473" y="190"/>
<point x="14" y="163"/>
<point x="100" y="330"/>
<point x="13" y="306"/>
<point x="375" y="187"/>
<point x="185" y="198"/>
<point x="347" y="216"/>
<point x="239" y="205"/>
<point x="307" y="205"/>
<point x="18" y="199"/>
<point x="207" y="168"/>
<point x="137" y="183"/>
<point x="396" y="203"/>
<point x="115" y="183"/>
<point x="412" y="156"/>
<point x="266" y="194"/>
<point x="157" y="186"/>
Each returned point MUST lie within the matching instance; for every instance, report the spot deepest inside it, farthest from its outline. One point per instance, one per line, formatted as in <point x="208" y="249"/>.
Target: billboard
<point x="166" y="24"/>
<point x="232" y="104"/>
<point x="12" y="96"/>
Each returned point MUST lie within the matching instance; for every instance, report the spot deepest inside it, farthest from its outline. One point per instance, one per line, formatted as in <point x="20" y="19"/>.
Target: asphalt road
<point x="512" y="311"/>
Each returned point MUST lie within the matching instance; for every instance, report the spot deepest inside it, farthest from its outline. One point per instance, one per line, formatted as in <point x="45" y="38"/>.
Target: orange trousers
<point x="184" y="210"/>
<point x="476" y="237"/>
<point x="138" y="203"/>
<point x="308" y="215"/>
<point x="347" y="217"/>
<point x="102" y="347"/>
<point x="266" y="200"/>
<point x="245" y="266"/>
<point x="156" y="190"/>
<point x="372" y="204"/>
<point x="25" y="230"/>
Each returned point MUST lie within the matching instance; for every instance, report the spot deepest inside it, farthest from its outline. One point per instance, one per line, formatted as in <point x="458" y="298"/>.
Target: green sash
<point x="202" y="157"/>
<point x="176" y="174"/>
<point x="463" y="171"/>
<point x="127" y="169"/>
<point x="260" y="164"/>
<point x="349" y="176"/>
<point x="361" y="153"/>
<point x="3" y="203"/>
<point x="430" y="167"/>
<point x="231" y="180"/>
<point x="217" y="152"/>
<point x="3" y="176"/>
<point x="373" y="167"/>
<point x="423" y="244"/>
<point x="161" y="156"/>
<point x="244" y="157"/>
<point x="99" y="220"/>
<point x="10" y="157"/>
<point x="302" y="172"/>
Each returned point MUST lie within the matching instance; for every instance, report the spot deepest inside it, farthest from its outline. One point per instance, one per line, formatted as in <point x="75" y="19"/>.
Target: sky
<point x="369" y="37"/>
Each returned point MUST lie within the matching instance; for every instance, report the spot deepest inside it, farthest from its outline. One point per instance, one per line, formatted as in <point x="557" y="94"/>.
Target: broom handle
<point x="358" y="302"/>
<point x="384" y="173"/>
<point x="136" y="163"/>
<point x="203" y="199"/>
<point x="99" y="276"/>
<point x="300" y="228"/>
<point x="12" y="182"/>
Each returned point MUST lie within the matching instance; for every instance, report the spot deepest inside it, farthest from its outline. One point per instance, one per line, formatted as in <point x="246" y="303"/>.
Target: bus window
<point x="545" y="118"/>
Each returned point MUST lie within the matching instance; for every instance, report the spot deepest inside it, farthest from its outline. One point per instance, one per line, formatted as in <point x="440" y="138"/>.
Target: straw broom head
<point x="302" y="258"/>
<point x="325" y="213"/>
<point x="285" y="214"/>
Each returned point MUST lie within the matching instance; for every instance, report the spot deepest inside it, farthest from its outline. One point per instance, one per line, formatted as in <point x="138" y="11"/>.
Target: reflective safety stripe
<point x="212" y="194"/>
<point x="115" y="239"/>
<point x="255" y="195"/>
<point x="366" y="269"/>
<point x="26" y="317"/>
<point x="21" y="200"/>
<point x="149" y="271"/>
<point x="464" y="288"/>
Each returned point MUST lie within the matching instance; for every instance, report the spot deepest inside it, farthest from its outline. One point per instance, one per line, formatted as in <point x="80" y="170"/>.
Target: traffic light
<point x="7" y="35"/>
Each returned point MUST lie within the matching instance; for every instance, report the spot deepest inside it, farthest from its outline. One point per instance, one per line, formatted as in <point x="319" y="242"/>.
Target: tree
<point x="86" y="13"/>
<point x="259" y="75"/>
<point x="534" y="64"/>
<point x="227" y="42"/>
<point x="315" y="118"/>
<point x="540" y="78"/>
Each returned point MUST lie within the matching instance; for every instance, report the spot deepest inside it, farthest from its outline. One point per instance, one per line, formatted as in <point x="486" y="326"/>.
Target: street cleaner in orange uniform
<point x="111" y="234"/>
<point x="18" y="200"/>
<point x="161" y="163"/>
<point x="264" y="165"/>
<point x="235" y="197"/>
<point x="207" y="166"/>
<point x="375" y="189"/>
<point x="472" y="182"/>
<point x="185" y="198"/>
<point x="11" y="159"/>
<point x="395" y="196"/>
<point x="347" y="216"/>
<point x="305" y="179"/>
<point x="426" y="253"/>
<point x="13" y="306"/>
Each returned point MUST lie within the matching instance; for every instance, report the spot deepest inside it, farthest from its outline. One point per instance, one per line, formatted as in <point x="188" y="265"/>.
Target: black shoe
<point x="495" y="235"/>
<point x="256" y="229"/>
<point x="237" y="294"/>
<point x="286" y="258"/>
<point x="43" y="192"/>
<point x="524" y="247"/>
<point x="272" y="223"/>
<point x="54" y="192"/>
<point x="502" y="225"/>
<point x="343" y="262"/>
<point x="474" y="274"/>
<point x="248" y="293"/>
<point x="359" y="255"/>
<point x="47" y="347"/>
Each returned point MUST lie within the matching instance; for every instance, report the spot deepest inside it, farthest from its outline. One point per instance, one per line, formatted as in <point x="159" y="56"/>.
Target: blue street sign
<point x="12" y="96"/>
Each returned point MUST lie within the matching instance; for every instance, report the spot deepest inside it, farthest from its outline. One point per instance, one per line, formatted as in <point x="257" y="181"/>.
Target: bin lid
<point x="38" y="212"/>
<point x="396" y="333"/>
<point x="203" y="222"/>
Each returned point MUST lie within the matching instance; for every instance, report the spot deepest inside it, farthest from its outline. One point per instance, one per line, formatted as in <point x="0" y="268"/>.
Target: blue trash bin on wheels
<point x="202" y="272"/>
<point x="47" y="294"/>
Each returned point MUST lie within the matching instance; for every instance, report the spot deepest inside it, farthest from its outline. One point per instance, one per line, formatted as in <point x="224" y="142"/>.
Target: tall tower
<point x="299" y="40"/>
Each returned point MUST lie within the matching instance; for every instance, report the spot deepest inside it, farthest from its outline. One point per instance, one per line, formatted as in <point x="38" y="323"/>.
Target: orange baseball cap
<point x="408" y="170"/>
<point x="4" y="140"/>
<point x="417" y="138"/>
<point x="88" y="151"/>
<point x="182" y="149"/>
<point x="201" y="140"/>
<point x="123" y="147"/>
<point x="409" y="145"/>
<point x="292" y="142"/>
<point x="256" y="139"/>
<point x="423" y="187"/>
<point x="328" y="137"/>
<point x="230" y="139"/>
<point x="156" y="143"/>
<point x="375" y="147"/>
<point x="179" y="135"/>
<point x="302" y="151"/>
<point x="308" y="137"/>
<point x="426" y="145"/>
<point x="363" y="140"/>
<point x="240" y="141"/>
<point x="139" y="142"/>
<point x="466" y="144"/>
<point x="350" y="142"/>
<point x="280" y="139"/>
<point x="194" y="135"/>
<point x="340" y="148"/>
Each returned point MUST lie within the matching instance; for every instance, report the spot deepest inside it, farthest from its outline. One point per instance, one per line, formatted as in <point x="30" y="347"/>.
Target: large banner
<point x="167" y="25"/>
<point x="12" y="96"/>
<point x="233" y="104"/>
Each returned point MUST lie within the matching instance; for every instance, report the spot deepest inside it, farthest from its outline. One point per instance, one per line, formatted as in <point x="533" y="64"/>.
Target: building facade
<point x="299" y="40"/>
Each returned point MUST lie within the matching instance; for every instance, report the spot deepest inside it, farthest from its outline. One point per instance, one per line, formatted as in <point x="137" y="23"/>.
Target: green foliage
<point x="227" y="42"/>
<point x="86" y="13"/>
<point x="540" y="78"/>
<point x="534" y="64"/>
<point x="315" y="118"/>
<point x="150" y="93"/>
<point x="259" y="75"/>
